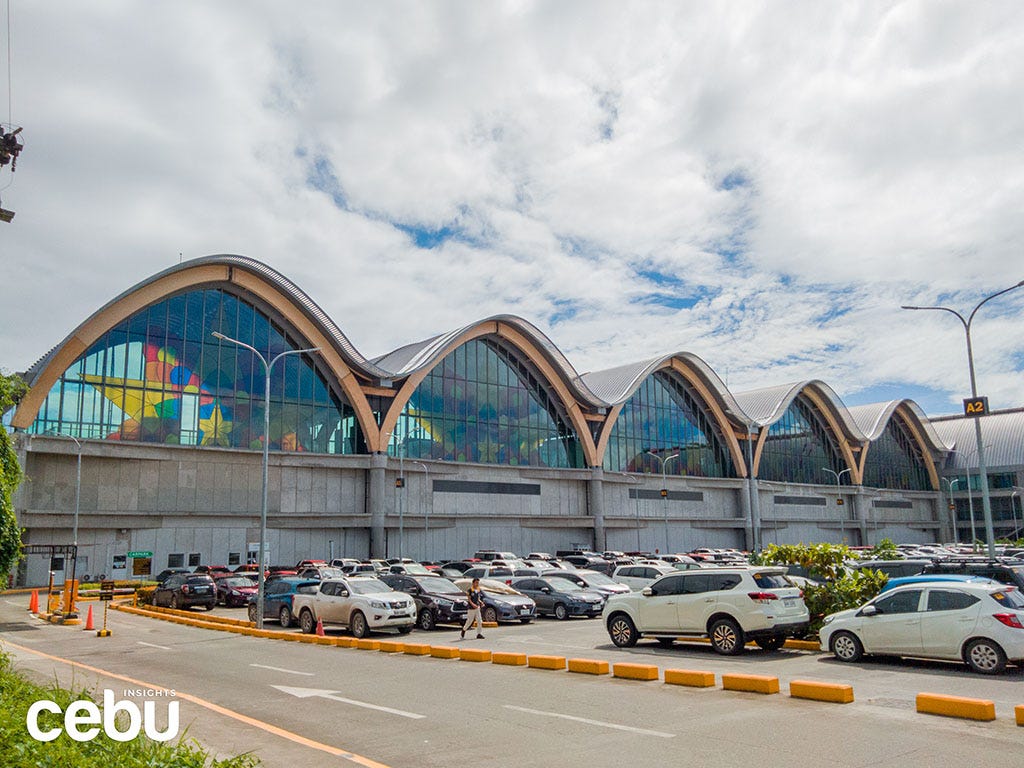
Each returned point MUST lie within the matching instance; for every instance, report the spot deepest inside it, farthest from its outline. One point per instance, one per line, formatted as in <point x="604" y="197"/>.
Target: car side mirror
<point x="344" y="593"/>
<point x="647" y="592"/>
<point x="546" y="590"/>
<point x="414" y="590"/>
<point x="869" y="610"/>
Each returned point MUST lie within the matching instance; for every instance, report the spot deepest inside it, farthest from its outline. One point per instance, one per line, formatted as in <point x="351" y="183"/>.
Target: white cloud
<point x="762" y="185"/>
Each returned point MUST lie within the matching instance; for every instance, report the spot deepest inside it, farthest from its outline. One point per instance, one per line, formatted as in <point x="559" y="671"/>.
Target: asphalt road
<point x="302" y="701"/>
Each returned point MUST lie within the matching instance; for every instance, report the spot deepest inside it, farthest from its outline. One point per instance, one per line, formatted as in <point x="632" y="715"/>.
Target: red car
<point x="234" y="590"/>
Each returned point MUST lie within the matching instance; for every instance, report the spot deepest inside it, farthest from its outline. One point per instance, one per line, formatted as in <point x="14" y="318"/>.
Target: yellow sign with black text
<point x="976" y="406"/>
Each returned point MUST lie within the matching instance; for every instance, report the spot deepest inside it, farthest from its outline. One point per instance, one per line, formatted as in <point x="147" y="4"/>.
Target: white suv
<point x="642" y="574"/>
<point x="729" y="605"/>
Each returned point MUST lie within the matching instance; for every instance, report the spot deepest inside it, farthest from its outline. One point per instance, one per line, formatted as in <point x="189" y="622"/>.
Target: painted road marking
<point x="280" y="669"/>
<point x="272" y="729"/>
<point x="305" y="693"/>
<point x="601" y="723"/>
<point x="154" y="645"/>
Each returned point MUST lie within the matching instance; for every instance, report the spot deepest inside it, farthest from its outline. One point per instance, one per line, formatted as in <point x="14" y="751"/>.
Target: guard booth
<point x="59" y="559"/>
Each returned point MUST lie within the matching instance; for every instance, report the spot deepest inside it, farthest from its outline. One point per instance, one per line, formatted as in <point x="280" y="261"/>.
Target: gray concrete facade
<point x="203" y="505"/>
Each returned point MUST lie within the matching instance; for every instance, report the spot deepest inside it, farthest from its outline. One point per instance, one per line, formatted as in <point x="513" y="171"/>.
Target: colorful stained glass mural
<point x="160" y="377"/>
<point x="665" y="423"/>
<point x="484" y="404"/>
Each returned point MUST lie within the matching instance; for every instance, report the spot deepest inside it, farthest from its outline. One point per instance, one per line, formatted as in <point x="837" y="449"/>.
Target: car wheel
<point x="985" y="656"/>
<point x="306" y="622"/>
<point x="209" y="606"/>
<point x="174" y="601"/>
<point x="622" y="631"/>
<point x="845" y="646"/>
<point x="285" y="616"/>
<point x="561" y="612"/>
<point x="252" y="613"/>
<point x="426" y="620"/>
<point x="666" y="642"/>
<point x="490" y="614"/>
<point x="357" y="626"/>
<point x="726" y="637"/>
<point x="772" y="643"/>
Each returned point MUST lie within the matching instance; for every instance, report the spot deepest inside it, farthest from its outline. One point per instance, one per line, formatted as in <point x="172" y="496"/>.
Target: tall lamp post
<point x="986" y="502"/>
<point x="970" y="504"/>
<point x="951" y="506"/>
<point x="664" y="487"/>
<point x="78" y="495"/>
<point x="842" y="520"/>
<point x="267" y="368"/>
<point x="426" y="507"/>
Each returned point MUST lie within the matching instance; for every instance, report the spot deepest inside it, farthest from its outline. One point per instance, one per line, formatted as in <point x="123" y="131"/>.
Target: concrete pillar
<point x="755" y="514"/>
<point x="376" y="503"/>
<point x="748" y="516"/>
<point x="861" y="507"/>
<point x="595" y="502"/>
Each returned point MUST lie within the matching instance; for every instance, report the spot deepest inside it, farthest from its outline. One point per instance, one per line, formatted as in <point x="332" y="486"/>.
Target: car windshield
<point x="307" y="589"/>
<point x="237" y="581"/>
<point x="1009" y="598"/>
<point x="439" y="586"/>
<point x="563" y="585"/>
<point x="198" y="580"/>
<point x="368" y="586"/>
<point x="330" y="573"/>
<point x="772" y="580"/>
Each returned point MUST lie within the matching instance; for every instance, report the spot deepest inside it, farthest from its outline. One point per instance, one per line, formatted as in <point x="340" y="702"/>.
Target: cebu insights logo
<point x="86" y="713"/>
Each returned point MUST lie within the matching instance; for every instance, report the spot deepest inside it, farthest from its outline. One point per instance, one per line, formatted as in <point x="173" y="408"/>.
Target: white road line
<point x="305" y="693"/>
<point x="602" y="724"/>
<point x="279" y="669"/>
<point x="154" y="645"/>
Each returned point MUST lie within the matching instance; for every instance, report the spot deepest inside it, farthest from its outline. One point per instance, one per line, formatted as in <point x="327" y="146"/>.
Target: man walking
<point x="476" y="606"/>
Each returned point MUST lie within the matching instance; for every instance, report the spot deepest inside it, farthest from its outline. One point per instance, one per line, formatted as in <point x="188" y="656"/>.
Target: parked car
<point x="594" y="580"/>
<point x="559" y="597"/>
<point x="979" y="624"/>
<point x="213" y="570"/>
<point x="925" y="578"/>
<point x="1005" y="573"/>
<point x="894" y="568"/>
<point x="234" y="590"/>
<point x="320" y="572"/>
<point x="186" y="590"/>
<point x="277" y="598"/>
<point x="493" y="554"/>
<point x="638" y="576"/>
<point x="162" y="576"/>
<point x="438" y="601"/>
<point x="729" y="605"/>
<point x="502" y="602"/>
<point x="497" y="572"/>
<point x="416" y="569"/>
<point x="358" y="603"/>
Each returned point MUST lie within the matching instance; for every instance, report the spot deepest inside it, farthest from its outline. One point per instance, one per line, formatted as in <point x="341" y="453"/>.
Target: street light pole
<point x="426" y="507"/>
<point x="842" y="521"/>
<point x="267" y="368"/>
<point x="664" y="488"/>
<point x="986" y="502"/>
<point x="951" y="506"/>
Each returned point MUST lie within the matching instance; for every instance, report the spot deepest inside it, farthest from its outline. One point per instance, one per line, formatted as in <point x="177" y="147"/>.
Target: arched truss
<point x="516" y="335"/>
<point x="238" y="275"/>
<point x="913" y="419"/>
<point x="718" y="403"/>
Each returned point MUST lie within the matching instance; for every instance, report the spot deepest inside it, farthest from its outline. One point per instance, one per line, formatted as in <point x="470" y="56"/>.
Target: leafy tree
<point x="884" y="550"/>
<point x="12" y="389"/>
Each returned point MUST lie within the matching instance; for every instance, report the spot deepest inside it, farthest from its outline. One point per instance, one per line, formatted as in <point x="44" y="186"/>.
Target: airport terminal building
<point x="142" y="432"/>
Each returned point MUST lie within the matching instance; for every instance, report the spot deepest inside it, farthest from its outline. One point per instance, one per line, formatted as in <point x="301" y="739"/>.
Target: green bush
<point x="841" y="587"/>
<point x="20" y="750"/>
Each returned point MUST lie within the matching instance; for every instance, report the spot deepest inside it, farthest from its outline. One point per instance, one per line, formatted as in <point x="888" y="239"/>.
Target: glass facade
<point x="798" y="446"/>
<point x="894" y="461"/>
<point x="665" y="417"/>
<point x="485" y="404"/>
<point x="161" y="377"/>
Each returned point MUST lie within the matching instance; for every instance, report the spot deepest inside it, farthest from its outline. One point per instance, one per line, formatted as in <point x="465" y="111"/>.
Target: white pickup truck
<point x="360" y="604"/>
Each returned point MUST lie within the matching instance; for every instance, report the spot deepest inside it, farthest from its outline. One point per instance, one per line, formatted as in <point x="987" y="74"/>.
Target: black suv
<point x="438" y="601"/>
<point x="186" y="590"/>
<point x="1001" y="572"/>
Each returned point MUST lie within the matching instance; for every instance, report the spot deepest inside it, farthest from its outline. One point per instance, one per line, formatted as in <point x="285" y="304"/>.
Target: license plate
<point x="524" y="609"/>
<point x="789" y="602"/>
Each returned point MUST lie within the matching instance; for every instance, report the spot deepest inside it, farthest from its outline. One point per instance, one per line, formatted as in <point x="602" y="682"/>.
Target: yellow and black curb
<point x="811" y="690"/>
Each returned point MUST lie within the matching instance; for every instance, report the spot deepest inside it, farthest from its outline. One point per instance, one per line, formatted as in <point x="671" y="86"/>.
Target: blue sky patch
<point x="320" y="176"/>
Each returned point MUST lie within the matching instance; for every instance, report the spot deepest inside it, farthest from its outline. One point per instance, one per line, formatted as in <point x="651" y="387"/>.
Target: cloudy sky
<point x="760" y="184"/>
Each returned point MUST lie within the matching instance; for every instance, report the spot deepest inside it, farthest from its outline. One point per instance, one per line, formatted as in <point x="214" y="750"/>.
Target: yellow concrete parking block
<point x="750" y="683"/>
<point x="444" y="652"/>
<point x="690" y="677"/>
<point x="490" y="624"/>
<point x="474" y="654"/>
<point x="1018" y="711"/>
<point x="417" y="649"/>
<point x="589" y="666"/>
<point x="546" y="662"/>
<point x="365" y="644"/>
<point x="346" y="642"/>
<point x="635" y="671"/>
<point x="390" y="646"/>
<point x="508" y="658"/>
<point x="836" y="693"/>
<point x="956" y="706"/>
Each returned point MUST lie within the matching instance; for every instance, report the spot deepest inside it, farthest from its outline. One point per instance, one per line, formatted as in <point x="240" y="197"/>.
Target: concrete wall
<point x="181" y="500"/>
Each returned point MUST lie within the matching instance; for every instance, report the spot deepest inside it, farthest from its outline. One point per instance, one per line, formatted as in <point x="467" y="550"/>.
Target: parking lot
<point x="403" y="710"/>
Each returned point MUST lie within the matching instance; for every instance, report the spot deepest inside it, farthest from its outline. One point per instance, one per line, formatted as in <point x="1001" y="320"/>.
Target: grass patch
<point x="19" y="750"/>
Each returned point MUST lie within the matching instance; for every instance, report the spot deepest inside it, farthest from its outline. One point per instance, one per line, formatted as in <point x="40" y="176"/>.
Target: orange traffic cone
<point x="320" y="627"/>
<point x="88" y="620"/>
<point x="33" y="602"/>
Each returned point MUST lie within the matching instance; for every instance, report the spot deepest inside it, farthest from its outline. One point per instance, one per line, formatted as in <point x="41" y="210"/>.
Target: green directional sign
<point x="140" y="554"/>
